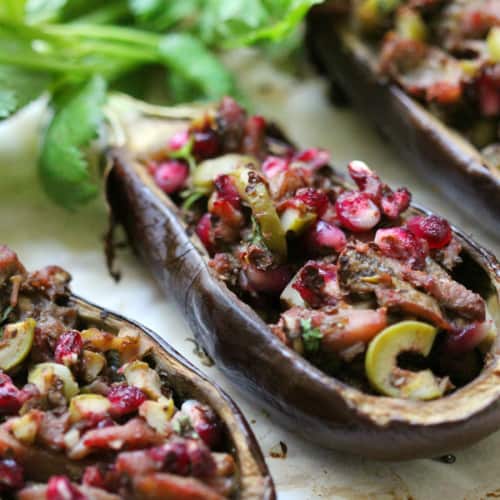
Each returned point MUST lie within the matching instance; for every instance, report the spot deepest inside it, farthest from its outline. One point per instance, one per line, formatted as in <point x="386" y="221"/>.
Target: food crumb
<point x="279" y="450"/>
<point x="205" y="359"/>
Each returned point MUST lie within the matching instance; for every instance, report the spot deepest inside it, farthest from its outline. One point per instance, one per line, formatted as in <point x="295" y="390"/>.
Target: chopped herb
<point x="191" y="197"/>
<point x="181" y="424"/>
<point x="5" y="314"/>
<point x="311" y="336"/>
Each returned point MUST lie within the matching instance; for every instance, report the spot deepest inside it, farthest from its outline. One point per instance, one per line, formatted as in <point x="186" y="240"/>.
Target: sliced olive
<point x="44" y="375"/>
<point x="88" y="405"/>
<point x="410" y="25"/>
<point x="16" y="343"/>
<point x="207" y="171"/>
<point x="372" y="13"/>
<point x="296" y="222"/>
<point x="252" y="189"/>
<point x="140" y="375"/>
<point x="493" y="44"/>
<point x="381" y="362"/>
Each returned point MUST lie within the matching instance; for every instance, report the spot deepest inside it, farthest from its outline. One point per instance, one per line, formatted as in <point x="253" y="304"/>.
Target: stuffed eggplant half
<point x="427" y="73"/>
<point x="94" y="407"/>
<point x="363" y="320"/>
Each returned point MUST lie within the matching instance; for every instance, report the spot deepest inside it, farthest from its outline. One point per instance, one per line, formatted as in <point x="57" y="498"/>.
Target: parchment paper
<point x="44" y="234"/>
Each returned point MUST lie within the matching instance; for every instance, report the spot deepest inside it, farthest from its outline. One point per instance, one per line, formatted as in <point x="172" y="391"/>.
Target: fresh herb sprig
<point x="75" y="50"/>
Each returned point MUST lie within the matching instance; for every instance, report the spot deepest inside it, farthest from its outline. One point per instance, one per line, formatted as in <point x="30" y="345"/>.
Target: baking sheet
<point x="44" y="234"/>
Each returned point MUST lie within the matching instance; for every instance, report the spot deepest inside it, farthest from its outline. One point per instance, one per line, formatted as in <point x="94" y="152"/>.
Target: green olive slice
<point x="44" y="375"/>
<point x="381" y="363"/>
<point x="295" y="222"/>
<point x="16" y="343"/>
<point x="253" y="190"/>
<point x="204" y="175"/>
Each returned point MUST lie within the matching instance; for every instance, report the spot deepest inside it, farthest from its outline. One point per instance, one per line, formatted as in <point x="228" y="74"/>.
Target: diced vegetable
<point x="88" y="406"/>
<point x="140" y="375"/>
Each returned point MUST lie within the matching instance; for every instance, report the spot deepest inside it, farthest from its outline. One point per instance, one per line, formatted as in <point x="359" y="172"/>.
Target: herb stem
<point x="33" y="61"/>
<point x="106" y="14"/>
<point x="107" y="32"/>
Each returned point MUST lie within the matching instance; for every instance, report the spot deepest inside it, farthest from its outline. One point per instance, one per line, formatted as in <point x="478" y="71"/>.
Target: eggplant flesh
<point x="305" y="399"/>
<point x="441" y="154"/>
<point x="252" y="478"/>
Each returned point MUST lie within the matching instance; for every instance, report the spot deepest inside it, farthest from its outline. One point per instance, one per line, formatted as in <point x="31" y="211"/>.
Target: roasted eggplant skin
<point x="318" y="406"/>
<point x="442" y="155"/>
<point x="255" y="482"/>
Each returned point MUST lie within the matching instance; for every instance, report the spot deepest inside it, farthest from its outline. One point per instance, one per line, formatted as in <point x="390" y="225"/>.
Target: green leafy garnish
<point x="310" y="336"/>
<point x="5" y="314"/>
<point x="191" y="197"/>
<point x="53" y="47"/>
<point x="198" y="68"/>
<point x="65" y="172"/>
<point x="19" y="87"/>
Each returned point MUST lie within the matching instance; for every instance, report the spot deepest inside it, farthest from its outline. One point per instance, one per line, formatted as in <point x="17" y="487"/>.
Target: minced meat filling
<point x="85" y="414"/>
<point x="343" y="276"/>
<point x="445" y="53"/>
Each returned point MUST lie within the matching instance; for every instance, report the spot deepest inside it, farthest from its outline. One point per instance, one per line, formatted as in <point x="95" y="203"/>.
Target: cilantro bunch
<point x="158" y="50"/>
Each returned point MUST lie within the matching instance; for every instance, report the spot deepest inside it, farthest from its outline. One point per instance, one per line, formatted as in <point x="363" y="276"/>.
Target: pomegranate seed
<point x="125" y="399"/>
<point x="205" y="232"/>
<point x="68" y="348"/>
<point x="202" y="462"/>
<point x="11" y="398"/>
<point x="314" y="199"/>
<point x="399" y="243"/>
<point x="393" y="204"/>
<point x="227" y="190"/>
<point x="324" y="236"/>
<point x="173" y="456"/>
<point x="366" y="180"/>
<point x="179" y="140"/>
<point x="313" y="157"/>
<point x="204" y="421"/>
<point x="356" y="211"/>
<point x="314" y="283"/>
<point x="466" y="339"/>
<point x="274" y="165"/>
<point x="206" y="144"/>
<point x="11" y="475"/>
<point x="171" y="175"/>
<point x="93" y="477"/>
<point x="488" y="87"/>
<point x="184" y="457"/>
<point x="60" y="488"/>
<point x="433" y="229"/>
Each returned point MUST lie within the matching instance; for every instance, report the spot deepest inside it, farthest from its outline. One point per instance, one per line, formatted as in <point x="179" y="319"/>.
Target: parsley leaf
<point x="19" y="87"/>
<point x="310" y="336"/>
<point x="196" y="66"/>
<point x="64" y="171"/>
